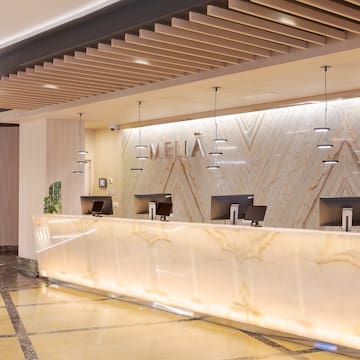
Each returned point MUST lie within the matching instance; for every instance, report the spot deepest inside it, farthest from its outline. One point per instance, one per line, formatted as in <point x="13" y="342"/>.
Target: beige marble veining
<point x="298" y="281"/>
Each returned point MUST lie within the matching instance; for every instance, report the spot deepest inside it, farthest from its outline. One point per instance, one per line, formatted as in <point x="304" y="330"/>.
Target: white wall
<point x="48" y="153"/>
<point x="9" y="180"/>
<point x="62" y="138"/>
<point x="32" y="181"/>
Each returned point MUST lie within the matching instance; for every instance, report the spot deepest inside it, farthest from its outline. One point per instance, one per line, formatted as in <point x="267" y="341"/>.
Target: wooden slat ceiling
<point x="240" y="32"/>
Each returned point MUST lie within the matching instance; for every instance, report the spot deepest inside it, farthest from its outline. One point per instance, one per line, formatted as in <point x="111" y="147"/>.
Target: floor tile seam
<point x="275" y="345"/>
<point x="61" y="303"/>
<point x="95" y="328"/>
<point x="7" y="336"/>
<point x="260" y="357"/>
<point x="21" y="335"/>
<point x="294" y="340"/>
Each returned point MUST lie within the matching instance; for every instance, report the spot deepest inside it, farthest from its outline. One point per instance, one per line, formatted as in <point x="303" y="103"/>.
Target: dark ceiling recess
<point x="114" y="20"/>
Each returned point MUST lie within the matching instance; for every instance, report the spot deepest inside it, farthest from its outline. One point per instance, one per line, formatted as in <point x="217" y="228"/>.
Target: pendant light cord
<point x="80" y="126"/>
<point x="139" y="103"/>
<point x="216" y="88"/>
<point x="325" y="88"/>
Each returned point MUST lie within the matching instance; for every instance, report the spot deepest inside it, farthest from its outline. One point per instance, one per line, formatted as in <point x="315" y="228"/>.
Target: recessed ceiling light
<point x="321" y="129"/>
<point x="50" y="86"/>
<point x="324" y="146"/>
<point x="140" y="146"/>
<point x="285" y="20"/>
<point x="330" y="162"/>
<point x="213" y="167"/>
<point x="136" y="169"/>
<point x="220" y="140"/>
<point x="215" y="153"/>
<point x="142" y="157"/>
<point x="141" y="61"/>
<point x="232" y="162"/>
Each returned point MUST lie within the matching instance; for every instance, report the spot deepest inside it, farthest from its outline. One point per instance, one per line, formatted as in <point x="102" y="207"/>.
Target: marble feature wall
<point x="301" y="282"/>
<point x="271" y="154"/>
<point x="104" y="149"/>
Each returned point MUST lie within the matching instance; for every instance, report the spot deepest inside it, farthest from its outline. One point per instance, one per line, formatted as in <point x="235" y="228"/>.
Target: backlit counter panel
<point x="298" y="281"/>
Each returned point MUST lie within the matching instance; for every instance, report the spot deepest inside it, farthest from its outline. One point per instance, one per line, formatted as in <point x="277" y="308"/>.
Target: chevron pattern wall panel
<point x="271" y="154"/>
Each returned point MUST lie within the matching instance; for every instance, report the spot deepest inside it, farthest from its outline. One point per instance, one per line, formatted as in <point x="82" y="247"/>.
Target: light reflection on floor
<point x="42" y="322"/>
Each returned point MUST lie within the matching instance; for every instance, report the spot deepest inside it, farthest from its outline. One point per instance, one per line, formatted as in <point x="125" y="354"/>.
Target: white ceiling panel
<point x="21" y="19"/>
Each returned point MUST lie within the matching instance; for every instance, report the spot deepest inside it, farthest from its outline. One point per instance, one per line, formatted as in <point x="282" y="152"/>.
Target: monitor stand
<point x="347" y="214"/>
<point x="152" y="210"/>
<point x="234" y="213"/>
<point x="97" y="214"/>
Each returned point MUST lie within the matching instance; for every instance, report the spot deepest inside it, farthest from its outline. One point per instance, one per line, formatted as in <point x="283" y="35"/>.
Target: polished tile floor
<point x="40" y="321"/>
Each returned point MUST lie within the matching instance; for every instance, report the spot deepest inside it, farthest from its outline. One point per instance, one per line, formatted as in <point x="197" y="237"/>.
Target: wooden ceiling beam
<point x="35" y="90"/>
<point x="16" y="99"/>
<point x="32" y="92"/>
<point x="117" y="55"/>
<point x="79" y="78"/>
<point x="88" y="65"/>
<point x="204" y="57"/>
<point x="76" y="83"/>
<point x="281" y="40"/>
<point x="188" y="47"/>
<point x="164" y="54"/>
<point x="129" y="64"/>
<point x="23" y="105"/>
<point x="355" y="2"/>
<point x="61" y="66"/>
<point x="312" y="14"/>
<point x="229" y="35"/>
<point x="249" y="20"/>
<point x="185" y="30"/>
<point x="81" y="58"/>
<point x="150" y="57"/>
<point x="11" y="105"/>
<point x="335" y="8"/>
<point x="213" y="45"/>
<point x="63" y="88"/>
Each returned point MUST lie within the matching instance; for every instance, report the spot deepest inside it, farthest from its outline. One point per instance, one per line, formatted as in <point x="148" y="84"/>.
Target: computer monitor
<point x="97" y="207"/>
<point x="233" y="207"/>
<point x="148" y="203"/>
<point x="255" y="214"/>
<point x="164" y="210"/>
<point x="340" y="211"/>
<point x="92" y="204"/>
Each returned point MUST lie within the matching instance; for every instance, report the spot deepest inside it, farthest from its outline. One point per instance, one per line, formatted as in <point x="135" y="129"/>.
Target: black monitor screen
<point x="331" y="210"/>
<point x="220" y="205"/>
<point x="97" y="206"/>
<point x="164" y="209"/>
<point x="142" y="201"/>
<point x="255" y="213"/>
<point x="89" y="202"/>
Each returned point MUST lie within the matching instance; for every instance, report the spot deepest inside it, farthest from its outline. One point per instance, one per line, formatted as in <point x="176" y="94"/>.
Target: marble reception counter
<point x="302" y="282"/>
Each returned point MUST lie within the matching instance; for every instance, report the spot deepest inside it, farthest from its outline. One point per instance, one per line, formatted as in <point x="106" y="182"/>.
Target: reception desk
<point x="302" y="282"/>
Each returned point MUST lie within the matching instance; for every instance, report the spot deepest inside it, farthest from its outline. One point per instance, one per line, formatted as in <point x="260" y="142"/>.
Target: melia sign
<point x="176" y="149"/>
